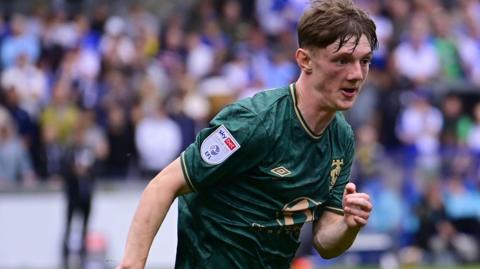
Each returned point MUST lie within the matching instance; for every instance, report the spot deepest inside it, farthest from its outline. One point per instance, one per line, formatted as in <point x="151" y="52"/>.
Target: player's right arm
<point x="152" y="209"/>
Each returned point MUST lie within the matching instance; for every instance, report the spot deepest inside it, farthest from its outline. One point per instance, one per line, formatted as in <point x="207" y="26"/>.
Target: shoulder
<point x="265" y="100"/>
<point x="255" y="108"/>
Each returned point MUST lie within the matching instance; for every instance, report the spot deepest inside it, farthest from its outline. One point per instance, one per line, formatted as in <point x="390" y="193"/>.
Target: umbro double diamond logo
<point x="281" y="171"/>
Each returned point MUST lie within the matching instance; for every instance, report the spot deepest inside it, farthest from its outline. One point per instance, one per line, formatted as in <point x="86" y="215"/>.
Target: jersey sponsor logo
<point x="281" y="171"/>
<point x="300" y="210"/>
<point x="230" y="143"/>
<point x="218" y="146"/>
<point x="335" y="172"/>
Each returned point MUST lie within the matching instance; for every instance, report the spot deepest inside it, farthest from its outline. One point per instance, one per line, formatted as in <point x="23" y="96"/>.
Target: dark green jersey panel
<point x="258" y="173"/>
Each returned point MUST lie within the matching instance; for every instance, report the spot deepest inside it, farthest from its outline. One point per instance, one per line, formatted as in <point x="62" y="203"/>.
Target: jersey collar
<point x="299" y="114"/>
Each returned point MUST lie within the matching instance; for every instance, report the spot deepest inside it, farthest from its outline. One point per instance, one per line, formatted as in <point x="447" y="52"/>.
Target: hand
<point x="356" y="207"/>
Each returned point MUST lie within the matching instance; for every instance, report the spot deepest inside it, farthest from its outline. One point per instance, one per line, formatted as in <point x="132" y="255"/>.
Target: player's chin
<point x="345" y="105"/>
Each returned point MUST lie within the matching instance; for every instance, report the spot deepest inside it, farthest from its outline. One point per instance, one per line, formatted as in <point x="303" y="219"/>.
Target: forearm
<point x="153" y="207"/>
<point x="154" y="204"/>
<point x="333" y="239"/>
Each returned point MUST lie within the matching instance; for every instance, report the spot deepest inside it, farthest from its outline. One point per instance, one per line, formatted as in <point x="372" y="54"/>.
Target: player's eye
<point x="341" y="61"/>
<point x="366" y="61"/>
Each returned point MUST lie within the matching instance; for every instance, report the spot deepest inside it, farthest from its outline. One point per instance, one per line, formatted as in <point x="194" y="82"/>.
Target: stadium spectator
<point x="79" y="161"/>
<point x="62" y="113"/>
<point x="15" y="165"/>
<point x="415" y="58"/>
<point x="436" y="232"/>
<point x="121" y="142"/>
<point x="369" y="158"/>
<point x="29" y="82"/>
<point x="473" y="136"/>
<point x="19" y="41"/>
<point x="116" y="47"/>
<point x="452" y="72"/>
<point x="462" y="207"/>
<point x="156" y="154"/>
<point x="26" y="126"/>
<point x="418" y="128"/>
<point x="456" y="123"/>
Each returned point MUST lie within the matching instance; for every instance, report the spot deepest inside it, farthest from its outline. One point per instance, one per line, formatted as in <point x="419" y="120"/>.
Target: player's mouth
<point x="349" y="92"/>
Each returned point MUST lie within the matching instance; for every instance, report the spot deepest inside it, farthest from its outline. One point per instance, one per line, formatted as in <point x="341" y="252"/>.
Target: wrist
<point x="351" y="225"/>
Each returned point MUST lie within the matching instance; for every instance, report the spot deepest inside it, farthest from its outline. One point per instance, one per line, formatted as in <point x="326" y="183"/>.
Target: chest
<point x="298" y="170"/>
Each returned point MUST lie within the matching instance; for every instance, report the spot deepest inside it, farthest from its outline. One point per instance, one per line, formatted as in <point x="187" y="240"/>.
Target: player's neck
<point x="309" y="105"/>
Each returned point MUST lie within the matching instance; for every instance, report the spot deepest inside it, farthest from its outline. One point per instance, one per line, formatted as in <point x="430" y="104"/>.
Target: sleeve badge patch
<point x="218" y="146"/>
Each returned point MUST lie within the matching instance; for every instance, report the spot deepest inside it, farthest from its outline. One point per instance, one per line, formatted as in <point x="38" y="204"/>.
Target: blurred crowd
<point x="117" y="95"/>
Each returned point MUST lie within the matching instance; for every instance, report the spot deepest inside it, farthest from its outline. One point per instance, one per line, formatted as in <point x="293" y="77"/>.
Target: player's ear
<point x="304" y="60"/>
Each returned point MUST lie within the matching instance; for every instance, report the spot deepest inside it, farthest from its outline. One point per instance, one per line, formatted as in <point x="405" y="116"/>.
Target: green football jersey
<point x="258" y="173"/>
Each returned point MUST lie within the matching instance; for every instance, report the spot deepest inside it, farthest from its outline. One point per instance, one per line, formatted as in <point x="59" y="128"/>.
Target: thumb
<point x="350" y="188"/>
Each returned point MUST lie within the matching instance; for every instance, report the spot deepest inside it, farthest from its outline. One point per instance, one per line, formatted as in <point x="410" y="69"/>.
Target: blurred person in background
<point x="81" y="67"/>
<point x="243" y="197"/>
<point x="61" y="113"/>
<point x="452" y="73"/>
<point x="415" y="58"/>
<point x="369" y="157"/>
<point x="375" y="174"/>
<point x="27" y="127"/>
<point x="155" y="154"/>
<point x="143" y="27"/>
<point x="187" y="124"/>
<point x="15" y="165"/>
<point x="200" y="58"/>
<point x="473" y="136"/>
<point x="399" y="13"/>
<point x="80" y="160"/>
<point x="419" y="127"/>
<point x="457" y="123"/>
<point x="384" y="31"/>
<point x="121" y="142"/>
<point x="116" y="47"/>
<point x="435" y="231"/>
<point x="19" y="41"/>
<point x="277" y="16"/>
<point x="456" y="130"/>
<point x="462" y="205"/>
<point x="57" y="128"/>
<point x="116" y="89"/>
<point x="29" y="82"/>
<point x="280" y="70"/>
<point x="468" y="41"/>
<point x="94" y="137"/>
<point x="50" y="155"/>
<point x="232" y="22"/>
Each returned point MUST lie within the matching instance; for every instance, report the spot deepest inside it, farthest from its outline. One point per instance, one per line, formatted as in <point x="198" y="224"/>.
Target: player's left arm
<point x="334" y="233"/>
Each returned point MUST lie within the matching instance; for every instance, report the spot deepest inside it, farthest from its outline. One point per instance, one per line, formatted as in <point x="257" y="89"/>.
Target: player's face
<point x="338" y="75"/>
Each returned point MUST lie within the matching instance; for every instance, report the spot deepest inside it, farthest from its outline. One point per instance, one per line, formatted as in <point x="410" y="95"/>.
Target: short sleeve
<point x="335" y="202"/>
<point x="234" y="142"/>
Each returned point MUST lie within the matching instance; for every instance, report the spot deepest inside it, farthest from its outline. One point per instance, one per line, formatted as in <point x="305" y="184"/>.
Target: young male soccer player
<point x="268" y="164"/>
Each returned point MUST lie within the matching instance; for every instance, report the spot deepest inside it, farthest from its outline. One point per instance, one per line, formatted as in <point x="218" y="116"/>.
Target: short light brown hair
<point x="327" y="21"/>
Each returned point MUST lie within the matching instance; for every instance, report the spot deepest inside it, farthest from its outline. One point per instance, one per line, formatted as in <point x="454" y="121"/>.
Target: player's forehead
<point x="350" y="46"/>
